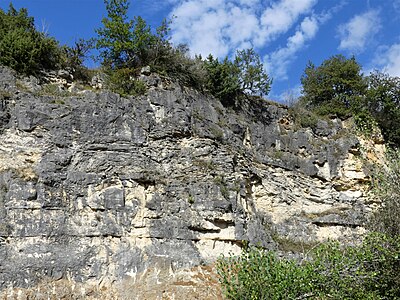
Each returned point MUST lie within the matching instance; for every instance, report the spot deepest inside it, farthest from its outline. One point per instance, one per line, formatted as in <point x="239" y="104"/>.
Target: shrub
<point x="130" y="44"/>
<point x="124" y="82"/>
<point x="177" y="63"/>
<point x="229" y="79"/>
<point x="302" y="116"/>
<point x="22" y="47"/>
<point x="73" y="58"/>
<point x="258" y="274"/>
<point x="367" y="271"/>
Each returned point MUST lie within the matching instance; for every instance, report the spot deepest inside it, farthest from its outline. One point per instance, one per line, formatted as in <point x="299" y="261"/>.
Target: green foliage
<point x="22" y="47"/>
<point x="334" y="87"/>
<point x="223" y="79"/>
<point x="125" y="43"/>
<point x="258" y="274"/>
<point x="124" y="82"/>
<point x="229" y="79"/>
<point x="177" y="63"/>
<point x="379" y="260"/>
<point x="116" y="39"/>
<point x="382" y="101"/>
<point x="338" y="88"/>
<point x="130" y="44"/>
<point x="365" y="123"/>
<point x="252" y="78"/>
<point x="367" y="271"/>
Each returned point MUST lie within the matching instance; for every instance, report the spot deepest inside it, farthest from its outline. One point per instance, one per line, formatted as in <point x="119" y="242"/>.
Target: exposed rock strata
<point x="102" y="195"/>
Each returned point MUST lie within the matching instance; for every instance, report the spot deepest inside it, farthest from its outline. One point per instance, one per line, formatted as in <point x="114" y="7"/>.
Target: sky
<point x="287" y="34"/>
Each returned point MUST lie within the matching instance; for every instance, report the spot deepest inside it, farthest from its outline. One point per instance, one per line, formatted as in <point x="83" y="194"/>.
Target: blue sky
<point x="286" y="33"/>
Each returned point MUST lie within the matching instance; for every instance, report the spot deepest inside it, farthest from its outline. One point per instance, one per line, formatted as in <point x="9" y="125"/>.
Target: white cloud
<point x="278" y="61"/>
<point x="290" y="96"/>
<point x="222" y="26"/>
<point x="355" y="34"/>
<point x="388" y="60"/>
<point x="280" y="17"/>
<point x="249" y="2"/>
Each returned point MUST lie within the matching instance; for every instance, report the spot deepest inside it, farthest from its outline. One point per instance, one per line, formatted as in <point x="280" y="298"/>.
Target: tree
<point x="383" y="103"/>
<point x="223" y="79"/>
<point x="115" y="38"/>
<point x="335" y="86"/>
<point x="124" y="43"/>
<point x="22" y="47"/>
<point x="252" y="78"/>
<point x="244" y="75"/>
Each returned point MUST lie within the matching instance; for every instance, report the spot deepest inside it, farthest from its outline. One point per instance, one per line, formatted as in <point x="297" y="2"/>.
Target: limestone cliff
<point x="134" y="198"/>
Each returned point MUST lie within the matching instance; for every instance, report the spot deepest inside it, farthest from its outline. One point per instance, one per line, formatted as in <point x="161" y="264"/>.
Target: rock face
<point x="107" y="197"/>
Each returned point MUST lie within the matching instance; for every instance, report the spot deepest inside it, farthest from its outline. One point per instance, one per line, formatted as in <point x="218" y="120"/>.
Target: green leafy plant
<point x="223" y="81"/>
<point x="253" y="79"/>
<point x="258" y="274"/>
<point x="331" y="271"/>
<point x="74" y="56"/>
<point x="227" y="80"/>
<point x="382" y="102"/>
<point x="124" y="82"/>
<point x="131" y="44"/>
<point x="334" y="87"/>
<point x="22" y="47"/>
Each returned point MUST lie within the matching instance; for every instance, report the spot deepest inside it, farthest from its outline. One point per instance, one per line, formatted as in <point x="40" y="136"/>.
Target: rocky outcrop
<point x="134" y="198"/>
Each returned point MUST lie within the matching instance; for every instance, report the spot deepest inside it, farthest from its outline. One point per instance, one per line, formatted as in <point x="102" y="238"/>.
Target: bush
<point x="229" y="79"/>
<point x="258" y="274"/>
<point x="176" y="63"/>
<point x="367" y="271"/>
<point x="22" y="47"/>
<point x="130" y="44"/>
<point x="124" y="82"/>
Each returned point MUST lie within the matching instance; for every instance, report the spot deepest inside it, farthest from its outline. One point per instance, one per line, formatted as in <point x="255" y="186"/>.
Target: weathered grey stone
<point x="103" y="189"/>
<point x="7" y="79"/>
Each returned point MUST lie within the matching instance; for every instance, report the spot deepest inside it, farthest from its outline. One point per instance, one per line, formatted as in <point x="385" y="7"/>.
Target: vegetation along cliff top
<point x="145" y="159"/>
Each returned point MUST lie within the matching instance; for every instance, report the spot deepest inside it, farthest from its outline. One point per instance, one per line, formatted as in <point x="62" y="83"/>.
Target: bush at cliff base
<point x="368" y="271"/>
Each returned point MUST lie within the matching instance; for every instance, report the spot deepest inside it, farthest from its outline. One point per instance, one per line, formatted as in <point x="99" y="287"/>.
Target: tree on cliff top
<point x="335" y="86"/>
<point x="22" y="47"/>
<point x="122" y="42"/>
<point x="244" y="75"/>
<point x="126" y="45"/>
<point x="382" y="101"/>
